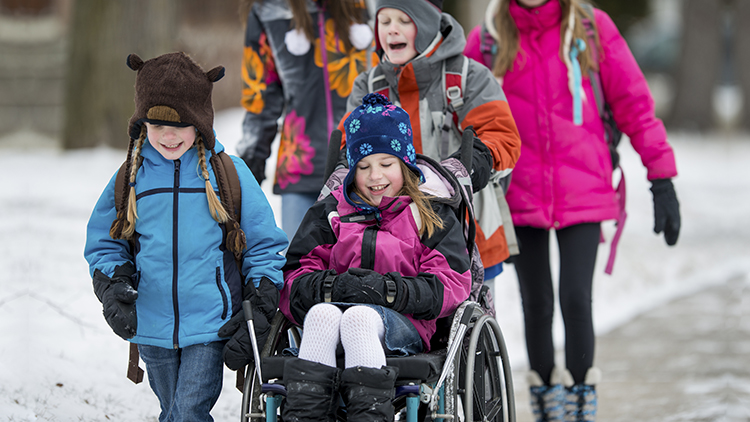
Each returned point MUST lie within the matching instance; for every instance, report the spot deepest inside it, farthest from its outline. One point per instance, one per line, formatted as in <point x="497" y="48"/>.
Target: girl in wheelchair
<point x="371" y="268"/>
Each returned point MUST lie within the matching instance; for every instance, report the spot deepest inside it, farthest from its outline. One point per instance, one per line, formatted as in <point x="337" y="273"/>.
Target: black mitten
<point x="481" y="164"/>
<point x="421" y="295"/>
<point x="359" y="285"/>
<point x="238" y="351"/>
<point x="118" y="295"/>
<point x="666" y="210"/>
<point x="307" y="291"/>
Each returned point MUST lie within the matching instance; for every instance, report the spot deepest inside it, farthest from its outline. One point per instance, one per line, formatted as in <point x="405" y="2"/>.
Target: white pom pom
<point x="296" y="42"/>
<point x="360" y="35"/>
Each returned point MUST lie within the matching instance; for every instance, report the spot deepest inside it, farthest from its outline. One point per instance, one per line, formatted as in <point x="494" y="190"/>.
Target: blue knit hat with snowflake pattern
<point x="377" y="126"/>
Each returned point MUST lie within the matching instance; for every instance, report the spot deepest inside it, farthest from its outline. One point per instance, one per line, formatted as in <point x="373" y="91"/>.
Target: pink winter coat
<point x="325" y="241"/>
<point x="564" y="175"/>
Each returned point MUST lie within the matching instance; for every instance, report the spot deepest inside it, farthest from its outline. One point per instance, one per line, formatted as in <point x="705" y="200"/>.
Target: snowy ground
<point x="60" y="361"/>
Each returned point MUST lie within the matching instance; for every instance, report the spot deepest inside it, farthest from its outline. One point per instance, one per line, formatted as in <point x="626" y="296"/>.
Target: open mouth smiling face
<point x="396" y="34"/>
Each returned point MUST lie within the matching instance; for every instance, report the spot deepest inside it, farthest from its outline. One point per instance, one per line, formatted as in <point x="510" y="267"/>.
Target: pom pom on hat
<point x="378" y="127"/>
<point x="360" y="35"/>
<point x="296" y="42"/>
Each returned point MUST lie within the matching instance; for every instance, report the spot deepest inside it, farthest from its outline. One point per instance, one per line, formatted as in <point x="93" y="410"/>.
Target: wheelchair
<point x="466" y="376"/>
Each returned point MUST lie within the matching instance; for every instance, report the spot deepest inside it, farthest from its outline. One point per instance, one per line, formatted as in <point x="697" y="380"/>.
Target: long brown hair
<point x="507" y="32"/>
<point x="343" y="12"/>
<point x="430" y="220"/>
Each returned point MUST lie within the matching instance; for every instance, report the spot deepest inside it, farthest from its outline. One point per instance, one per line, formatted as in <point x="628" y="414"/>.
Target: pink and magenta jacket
<point x="325" y="241"/>
<point x="564" y="174"/>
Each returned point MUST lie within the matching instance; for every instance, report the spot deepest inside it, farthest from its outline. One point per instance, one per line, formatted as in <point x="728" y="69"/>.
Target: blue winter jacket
<point x="188" y="283"/>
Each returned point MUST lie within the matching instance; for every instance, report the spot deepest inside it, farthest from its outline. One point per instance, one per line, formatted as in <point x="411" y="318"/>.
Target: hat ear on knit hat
<point x="378" y="127"/>
<point x="173" y="90"/>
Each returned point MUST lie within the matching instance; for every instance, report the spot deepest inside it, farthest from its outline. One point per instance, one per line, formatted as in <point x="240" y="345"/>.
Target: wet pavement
<point x="688" y="360"/>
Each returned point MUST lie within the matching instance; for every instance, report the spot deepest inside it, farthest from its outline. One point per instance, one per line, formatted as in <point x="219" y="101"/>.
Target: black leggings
<point x="578" y="246"/>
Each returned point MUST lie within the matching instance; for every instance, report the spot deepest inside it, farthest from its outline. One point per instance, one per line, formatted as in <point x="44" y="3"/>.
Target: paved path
<point x="688" y="360"/>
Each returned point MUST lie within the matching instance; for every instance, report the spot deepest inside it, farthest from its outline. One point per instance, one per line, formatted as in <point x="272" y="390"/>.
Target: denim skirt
<point x="401" y="338"/>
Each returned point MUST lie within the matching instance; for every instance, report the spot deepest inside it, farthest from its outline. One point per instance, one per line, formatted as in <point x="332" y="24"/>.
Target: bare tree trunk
<point x="699" y="65"/>
<point x="741" y="13"/>
<point x="99" y="90"/>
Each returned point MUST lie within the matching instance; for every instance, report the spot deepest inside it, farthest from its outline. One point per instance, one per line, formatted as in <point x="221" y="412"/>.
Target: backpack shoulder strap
<point x="454" y="72"/>
<point x="230" y="193"/>
<point x="588" y="23"/>
<point x="233" y="198"/>
<point x="120" y="183"/>
<point x="487" y="46"/>
<point x="376" y="82"/>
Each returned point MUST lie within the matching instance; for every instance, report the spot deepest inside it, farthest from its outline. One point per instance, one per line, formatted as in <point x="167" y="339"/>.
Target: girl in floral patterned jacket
<point x="300" y="60"/>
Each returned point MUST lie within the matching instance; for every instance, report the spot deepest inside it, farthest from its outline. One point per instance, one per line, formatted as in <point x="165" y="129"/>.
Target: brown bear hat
<point x="173" y="90"/>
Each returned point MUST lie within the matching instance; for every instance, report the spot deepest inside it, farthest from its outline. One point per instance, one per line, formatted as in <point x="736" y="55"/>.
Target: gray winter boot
<point x="368" y="393"/>
<point x="547" y="401"/>
<point x="312" y="391"/>
<point x="580" y="399"/>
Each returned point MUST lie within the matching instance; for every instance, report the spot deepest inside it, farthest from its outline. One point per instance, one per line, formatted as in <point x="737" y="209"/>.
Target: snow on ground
<point x="60" y="361"/>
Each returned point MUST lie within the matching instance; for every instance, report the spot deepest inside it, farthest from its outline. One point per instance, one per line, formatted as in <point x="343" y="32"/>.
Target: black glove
<point x="481" y="164"/>
<point x="359" y="285"/>
<point x="666" y="210"/>
<point x="117" y="295"/>
<point x="238" y="351"/>
<point x="258" y="167"/>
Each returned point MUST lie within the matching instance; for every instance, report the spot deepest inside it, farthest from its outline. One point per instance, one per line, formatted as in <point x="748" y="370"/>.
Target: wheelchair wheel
<point x="485" y="378"/>
<point x="278" y="340"/>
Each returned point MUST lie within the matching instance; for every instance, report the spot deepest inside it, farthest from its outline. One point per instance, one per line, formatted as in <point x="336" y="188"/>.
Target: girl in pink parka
<point x="371" y="268"/>
<point x="563" y="179"/>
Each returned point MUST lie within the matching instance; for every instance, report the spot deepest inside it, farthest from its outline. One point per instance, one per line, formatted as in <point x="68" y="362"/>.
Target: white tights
<point x="360" y="330"/>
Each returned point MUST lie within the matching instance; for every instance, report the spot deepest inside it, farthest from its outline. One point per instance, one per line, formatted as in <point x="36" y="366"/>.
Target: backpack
<point x="612" y="134"/>
<point x="230" y="194"/>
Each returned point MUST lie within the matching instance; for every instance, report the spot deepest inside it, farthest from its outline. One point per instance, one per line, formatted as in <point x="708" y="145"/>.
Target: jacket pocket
<point x="224" y="300"/>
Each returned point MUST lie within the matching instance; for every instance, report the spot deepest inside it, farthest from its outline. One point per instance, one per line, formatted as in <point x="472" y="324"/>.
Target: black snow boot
<point x="312" y="391"/>
<point x="368" y="393"/>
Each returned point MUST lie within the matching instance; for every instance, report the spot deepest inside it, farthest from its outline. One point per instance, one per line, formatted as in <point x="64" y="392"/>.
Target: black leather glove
<point x="481" y="164"/>
<point x="238" y="351"/>
<point x="117" y="295"/>
<point x="666" y="210"/>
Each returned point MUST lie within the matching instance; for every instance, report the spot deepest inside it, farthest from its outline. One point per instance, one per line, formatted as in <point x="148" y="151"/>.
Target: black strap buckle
<point x="328" y="287"/>
<point x="391" y="290"/>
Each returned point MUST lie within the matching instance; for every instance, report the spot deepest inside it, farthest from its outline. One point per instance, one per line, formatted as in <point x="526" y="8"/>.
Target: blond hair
<point x="506" y="36"/>
<point x="123" y="227"/>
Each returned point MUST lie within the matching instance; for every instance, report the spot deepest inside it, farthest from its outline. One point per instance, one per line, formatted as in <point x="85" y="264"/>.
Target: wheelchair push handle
<point x="247" y="308"/>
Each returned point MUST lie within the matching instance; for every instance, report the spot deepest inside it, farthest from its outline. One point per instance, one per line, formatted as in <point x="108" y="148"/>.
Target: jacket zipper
<point x="223" y="294"/>
<point x="175" y="212"/>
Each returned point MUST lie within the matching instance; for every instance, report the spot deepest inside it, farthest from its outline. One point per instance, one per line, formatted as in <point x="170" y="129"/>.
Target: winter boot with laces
<point x="547" y="401"/>
<point x="368" y="393"/>
<point x="312" y="391"/>
<point x="580" y="399"/>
